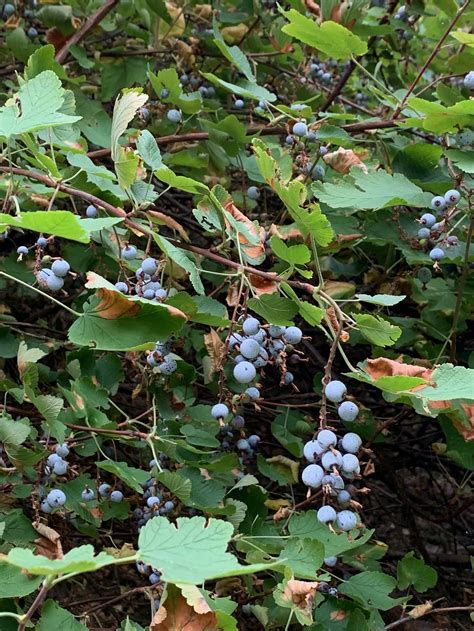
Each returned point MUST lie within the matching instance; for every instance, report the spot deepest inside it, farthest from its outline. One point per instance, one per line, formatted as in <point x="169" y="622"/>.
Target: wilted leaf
<point x="214" y="346"/>
<point x="254" y="252"/>
<point x="343" y="160"/>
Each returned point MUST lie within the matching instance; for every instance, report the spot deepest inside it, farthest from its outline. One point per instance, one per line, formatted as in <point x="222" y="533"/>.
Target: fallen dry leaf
<point x="263" y="285"/>
<point x="49" y="544"/>
<point x="343" y="160"/>
<point x="301" y="593"/>
<point x="421" y="610"/>
<point x="177" y="615"/>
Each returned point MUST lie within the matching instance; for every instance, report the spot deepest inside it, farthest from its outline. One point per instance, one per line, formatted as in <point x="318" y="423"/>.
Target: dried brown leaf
<point x="49" y="544"/>
<point x="252" y="251"/>
<point x="301" y="594"/>
<point x="178" y="615"/>
<point x="214" y="346"/>
<point x="263" y="285"/>
<point x="421" y="610"/>
<point x="343" y="160"/>
<point x="171" y="223"/>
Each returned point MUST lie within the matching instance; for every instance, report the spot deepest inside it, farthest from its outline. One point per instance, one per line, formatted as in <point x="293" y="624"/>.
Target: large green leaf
<point x="132" y="476"/>
<point x="80" y="559"/>
<point x="372" y="589"/>
<point x="36" y="106"/>
<point x="274" y="308"/>
<point x="371" y="191"/>
<point x="329" y="37"/>
<point x="14" y="583"/>
<point x="55" y="617"/>
<point x="193" y="551"/>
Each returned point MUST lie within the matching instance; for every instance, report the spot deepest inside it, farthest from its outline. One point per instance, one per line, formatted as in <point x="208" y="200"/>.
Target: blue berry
<point x="331" y="459"/>
<point x="154" y="578"/>
<point x="239" y="104"/>
<point x="56" y="498"/>
<point x="335" y="391"/>
<point x="452" y="240"/>
<point x="169" y="506"/>
<point x="219" y="410"/>
<point x="129" y="252"/>
<point x="116" y="496"/>
<point x="326" y="438"/>
<point x="164" y="94"/>
<point x="149" y="294"/>
<point x="253" y="192"/>
<point x="238" y="422"/>
<point x="122" y="287"/>
<point x="60" y="467"/>
<point x="326" y="514"/>
<point x="8" y="10"/>
<point x="60" y="268"/>
<point x="330" y="562"/>
<point x="348" y="411"/>
<point x="254" y="440"/>
<point x="438" y="203"/>
<point x="32" y="32"/>
<point x="104" y="489"/>
<point x="22" y="250"/>
<point x="174" y="116"/>
<point x="149" y="266"/>
<point x="184" y="79"/>
<point x="243" y="445"/>
<point x="311" y="137"/>
<point x="54" y="283"/>
<point x="469" y="80"/>
<point x="423" y="233"/>
<point x="312" y="476"/>
<point x="253" y="393"/>
<point x="250" y="348"/>
<point x="350" y="463"/>
<point x="343" y="497"/>
<point x="169" y="366"/>
<point x="87" y="494"/>
<point x="300" y="129"/>
<point x="46" y="507"/>
<point x="52" y="459"/>
<point x="312" y="450"/>
<point x="436" y="254"/>
<point x="251" y="326"/>
<point x="161" y="294"/>
<point x="323" y="151"/>
<point x="428" y="219"/>
<point x="351" y="443"/>
<point x="276" y="331"/>
<point x="244" y="372"/>
<point x="91" y="212"/>
<point x="289" y="140"/>
<point x="42" y="242"/>
<point x="293" y="335"/>
<point x="153" y="500"/>
<point x="452" y="196"/>
<point x="288" y="378"/>
<point x="346" y="520"/>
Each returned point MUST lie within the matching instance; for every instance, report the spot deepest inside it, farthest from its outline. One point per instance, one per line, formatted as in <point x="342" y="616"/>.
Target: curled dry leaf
<point x="421" y="610"/>
<point x="312" y="7"/>
<point x="263" y="285"/>
<point x="285" y="232"/>
<point x="49" y="544"/>
<point x="177" y="27"/>
<point x="177" y="614"/>
<point x="185" y="52"/>
<point x="214" y="346"/>
<point x="170" y="222"/>
<point x="384" y="367"/>
<point x="234" y="33"/>
<point x="204" y="11"/>
<point x="343" y="160"/>
<point x="301" y="594"/>
<point x="254" y="252"/>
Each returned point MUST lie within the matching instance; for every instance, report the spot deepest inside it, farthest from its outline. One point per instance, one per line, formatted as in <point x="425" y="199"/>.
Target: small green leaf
<point x="55" y="617"/>
<point x="412" y="571"/>
<point x="293" y="254"/>
<point x="133" y="477"/>
<point x="303" y="556"/>
<point x="275" y="309"/>
<point x="13" y="432"/>
<point x="149" y="151"/>
<point x="380" y="299"/>
<point x="329" y="37"/>
<point x="59" y="223"/>
<point x="14" y="583"/>
<point x="80" y="559"/>
<point x="176" y="483"/>
<point x="312" y="314"/>
<point x="247" y="89"/>
<point x="372" y="590"/>
<point x="377" y="330"/>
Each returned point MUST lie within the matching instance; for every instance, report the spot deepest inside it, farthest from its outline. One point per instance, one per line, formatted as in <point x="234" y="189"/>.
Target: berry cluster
<point x="161" y="358"/>
<point x="333" y="463"/>
<point x="247" y="445"/>
<point x="434" y="231"/>
<point x="56" y="465"/>
<point x="52" y="277"/>
<point x="146" y="284"/>
<point x="258" y="346"/>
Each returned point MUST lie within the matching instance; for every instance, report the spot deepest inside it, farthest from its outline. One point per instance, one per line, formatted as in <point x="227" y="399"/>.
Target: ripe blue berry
<point x="87" y="494"/>
<point x="288" y="378"/>
<point x="46" y="507"/>
<point x="351" y="443"/>
<point x="52" y="459"/>
<point x="164" y="94"/>
<point x="219" y="410"/>
<point x="253" y="393"/>
<point x="184" y="79"/>
<point x="53" y="282"/>
<point x="91" y="212"/>
<point x="129" y="252"/>
<point x="56" y="498"/>
<point x="174" y="116"/>
<point x="276" y="331"/>
<point x="8" y="10"/>
<point x="312" y="450"/>
<point x="348" y="411"/>
<point x="452" y="240"/>
<point x="346" y="520"/>
<point x="300" y="129"/>
<point x="331" y="459"/>
<point x="122" y="287"/>
<point x="244" y="372"/>
<point x="22" y="250"/>
<point x="423" y="233"/>
<point x="350" y="463"/>
<point x="468" y="80"/>
<point x="438" y="203"/>
<point x="330" y="562"/>
<point x="436" y="254"/>
<point x="238" y="422"/>
<point x="32" y="32"/>
<point x="253" y="192"/>
<point x="153" y="500"/>
<point x="42" y="242"/>
<point x="149" y="266"/>
<point x="60" y="268"/>
<point x="149" y="294"/>
<point x="293" y="335"/>
<point x="323" y="151"/>
<point x="312" y="476"/>
<point x="289" y="140"/>
<point x="251" y="326"/>
<point x="161" y="294"/>
<point x="250" y="348"/>
<point x="239" y="104"/>
<point x="116" y="496"/>
<point x="243" y="445"/>
<point x="428" y="219"/>
<point x="254" y="440"/>
<point x="343" y="497"/>
<point x="169" y="366"/>
<point x="60" y="467"/>
<point x="326" y="514"/>
<point x="311" y="137"/>
<point x="104" y="489"/>
<point x="335" y="391"/>
<point x="154" y="578"/>
<point x="452" y="196"/>
<point x="326" y="438"/>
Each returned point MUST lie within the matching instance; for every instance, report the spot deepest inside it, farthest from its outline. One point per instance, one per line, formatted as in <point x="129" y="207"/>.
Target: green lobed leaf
<point x="80" y="559"/>
<point x="412" y="571"/>
<point x="133" y="477"/>
<point x="14" y="583"/>
<point x="55" y="617"/>
<point x="377" y="330"/>
<point x="274" y="308"/>
<point x="371" y="589"/>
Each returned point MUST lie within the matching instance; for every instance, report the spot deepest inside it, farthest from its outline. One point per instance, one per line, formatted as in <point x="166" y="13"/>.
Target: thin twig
<point x="87" y="26"/>
<point x="435" y="51"/>
<point x="397" y="623"/>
